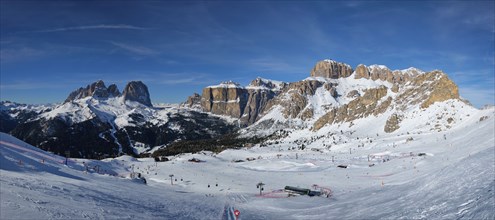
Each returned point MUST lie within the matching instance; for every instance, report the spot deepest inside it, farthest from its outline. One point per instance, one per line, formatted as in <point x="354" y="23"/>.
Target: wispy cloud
<point x="90" y="27"/>
<point x="183" y="78"/>
<point x="138" y="50"/>
<point x="19" y="54"/>
<point x="478" y="76"/>
<point x="31" y="85"/>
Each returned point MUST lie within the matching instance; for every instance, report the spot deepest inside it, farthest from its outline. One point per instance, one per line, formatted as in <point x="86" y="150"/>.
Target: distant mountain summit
<point x="134" y="91"/>
<point x="96" y="89"/>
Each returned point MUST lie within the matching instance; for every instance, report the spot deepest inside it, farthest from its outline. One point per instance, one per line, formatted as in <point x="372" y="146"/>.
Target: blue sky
<point x="49" y="48"/>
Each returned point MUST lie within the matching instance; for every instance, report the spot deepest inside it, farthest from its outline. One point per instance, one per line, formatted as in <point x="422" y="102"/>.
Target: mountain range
<point x="97" y="121"/>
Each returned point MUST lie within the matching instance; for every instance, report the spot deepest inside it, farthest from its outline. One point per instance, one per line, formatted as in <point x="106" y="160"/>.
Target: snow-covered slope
<point x="37" y="185"/>
<point x="429" y="174"/>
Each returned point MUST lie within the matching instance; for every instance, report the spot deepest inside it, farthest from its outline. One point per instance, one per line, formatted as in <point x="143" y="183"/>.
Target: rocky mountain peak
<point x="137" y="91"/>
<point x="439" y="86"/>
<point x="113" y="90"/>
<point x="381" y="72"/>
<point x="193" y="101"/>
<point x="260" y="83"/>
<point x="331" y="69"/>
<point x="96" y="90"/>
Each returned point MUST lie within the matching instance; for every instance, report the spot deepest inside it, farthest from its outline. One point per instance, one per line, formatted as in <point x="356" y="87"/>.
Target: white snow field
<point x="386" y="179"/>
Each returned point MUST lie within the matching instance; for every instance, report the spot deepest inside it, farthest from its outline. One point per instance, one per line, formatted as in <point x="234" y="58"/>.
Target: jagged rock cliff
<point x="331" y="69"/>
<point x="96" y="89"/>
<point x="380" y="72"/>
<point x="225" y="99"/>
<point x="137" y="91"/>
<point x="260" y="92"/>
<point x="244" y="103"/>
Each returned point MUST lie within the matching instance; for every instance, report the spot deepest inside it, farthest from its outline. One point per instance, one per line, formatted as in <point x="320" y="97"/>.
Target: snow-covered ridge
<point x="410" y="70"/>
<point x="257" y="84"/>
<point x="227" y="84"/>
<point x="266" y="84"/>
<point x="116" y="110"/>
<point x="335" y="62"/>
<point x="8" y="105"/>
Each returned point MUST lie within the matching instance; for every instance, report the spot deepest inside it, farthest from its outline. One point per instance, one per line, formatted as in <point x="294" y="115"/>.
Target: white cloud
<point x="19" y="54"/>
<point x="90" y="27"/>
<point x="143" y="51"/>
<point x="31" y="85"/>
<point x="185" y="78"/>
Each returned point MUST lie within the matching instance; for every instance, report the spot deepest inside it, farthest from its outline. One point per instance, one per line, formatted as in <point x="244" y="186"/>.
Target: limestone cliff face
<point x="245" y="103"/>
<point x="252" y="102"/>
<point x="331" y="69"/>
<point x="224" y="100"/>
<point x="256" y="103"/>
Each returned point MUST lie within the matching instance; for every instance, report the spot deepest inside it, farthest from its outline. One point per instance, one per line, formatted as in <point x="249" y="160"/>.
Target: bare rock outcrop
<point x="193" y="101"/>
<point x="441" y="88"/>
<point x="113" y="90"/>
<point x="331" y="69"/>
<point x="137" y="91"/>
<point x="353" y="94"/>
<point x="392" y="123"/>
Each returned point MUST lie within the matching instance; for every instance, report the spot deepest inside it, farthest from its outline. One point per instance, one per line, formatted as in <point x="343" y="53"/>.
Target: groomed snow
<point x="453" y="179"/>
